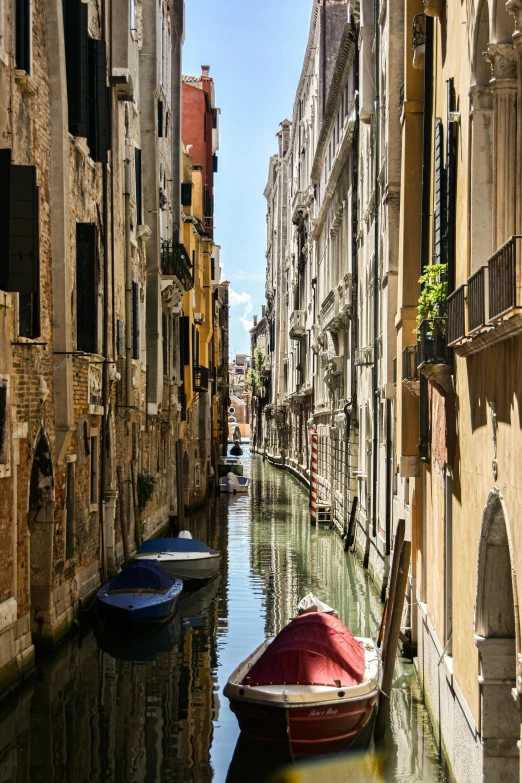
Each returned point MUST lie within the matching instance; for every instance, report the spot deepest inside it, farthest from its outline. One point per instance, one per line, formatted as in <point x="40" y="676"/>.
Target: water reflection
<point x="150" y="709"/>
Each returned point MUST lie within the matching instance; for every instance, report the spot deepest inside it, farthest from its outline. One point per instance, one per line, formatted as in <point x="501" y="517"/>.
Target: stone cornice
<point x="342" y="66"/>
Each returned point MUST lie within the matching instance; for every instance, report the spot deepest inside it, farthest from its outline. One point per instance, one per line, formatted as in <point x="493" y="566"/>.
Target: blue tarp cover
<point x="142" y="575"/>
<point x="158" y="545"/>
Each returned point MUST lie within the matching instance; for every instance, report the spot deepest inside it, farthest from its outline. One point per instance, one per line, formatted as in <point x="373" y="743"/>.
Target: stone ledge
<point x="26" y="84"/>
<point x="8" y="614"/>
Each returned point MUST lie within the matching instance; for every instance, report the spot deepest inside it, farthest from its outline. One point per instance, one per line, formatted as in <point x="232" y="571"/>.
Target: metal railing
<point x="504" y="278"/>
<point x="457" y="315"/>
<point x="409" y="363"/>
<point x="477" y="310"/>
<point x="432" y="348"/>
<point x="175" y="262"/>
<point x="200" y="378"/>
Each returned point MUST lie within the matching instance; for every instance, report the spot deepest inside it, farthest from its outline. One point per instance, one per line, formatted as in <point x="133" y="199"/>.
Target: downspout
<point x="105" y="348"/>
<point x="375" y="379"/>
<point x="425" y="217"/>
<point x="128" y="282"/>
<point x="389" y="488"/>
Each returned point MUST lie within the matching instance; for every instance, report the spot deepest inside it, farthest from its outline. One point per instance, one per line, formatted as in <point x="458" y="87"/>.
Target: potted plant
<point x="431" y="313"/>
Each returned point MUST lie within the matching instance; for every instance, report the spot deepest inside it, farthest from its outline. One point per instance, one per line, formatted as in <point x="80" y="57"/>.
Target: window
<point x="139" y="203"/>
<point x="97" y="104"/>
<point x="94" y="470"/>
<point x="86" y="296"/>
<point x="186" y="194"/>
<point x="77" y="61"/>
<point x="23" y="35"/>
<point x="70" y="510"/>
<point x="160" y="120"/>
<point x="4" y="420"/>
<point x="135" y="321"/>
<point x="120" y="338"/>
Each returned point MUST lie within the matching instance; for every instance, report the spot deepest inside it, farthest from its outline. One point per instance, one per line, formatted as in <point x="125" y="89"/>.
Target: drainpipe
<point x="375" y="379"/>
<point x="128" y="283"/>
<point x="425" y="217"/>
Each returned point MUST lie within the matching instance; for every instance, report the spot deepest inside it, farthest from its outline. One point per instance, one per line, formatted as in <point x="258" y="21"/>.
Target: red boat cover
<point x="314" y="649"/>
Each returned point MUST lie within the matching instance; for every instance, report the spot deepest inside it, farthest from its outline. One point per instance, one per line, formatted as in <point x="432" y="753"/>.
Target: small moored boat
<point x="142" y="592"/>
<point x="233" y="484"/>
<point x="181" y="557"/>
<point x="312" y="689"/>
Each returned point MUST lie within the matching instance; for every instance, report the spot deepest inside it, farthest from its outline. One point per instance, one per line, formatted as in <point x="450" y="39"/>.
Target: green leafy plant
<point x="146" y="486"/>
<point x="254" y="379"/>
<point x="433" y="297"/>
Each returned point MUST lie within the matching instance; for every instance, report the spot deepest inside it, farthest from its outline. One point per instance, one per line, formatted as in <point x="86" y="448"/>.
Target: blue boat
<point x="142" y="593"/>
<point x="182" y="557"/>
<point x="132" y="643"/>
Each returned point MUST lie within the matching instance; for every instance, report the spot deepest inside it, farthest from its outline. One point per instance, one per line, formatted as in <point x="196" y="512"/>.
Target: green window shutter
<point x="86" y="295"/>
<point x="439" y="193"/>
<point x="97" y="104"/>
<point x="77" y="63"/>
<point x="139" y="202"/>
<point x="23" y="35"/>
<point x="135" y="321"/>
<point x="186" y="194"/>
<point x="184" y="339"/>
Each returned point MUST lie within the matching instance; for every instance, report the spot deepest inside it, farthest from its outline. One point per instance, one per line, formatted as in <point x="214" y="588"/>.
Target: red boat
<point x="312" y="689"/>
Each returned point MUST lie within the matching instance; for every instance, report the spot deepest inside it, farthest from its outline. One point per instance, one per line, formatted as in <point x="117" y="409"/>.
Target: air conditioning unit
<point x="335" y="365"/>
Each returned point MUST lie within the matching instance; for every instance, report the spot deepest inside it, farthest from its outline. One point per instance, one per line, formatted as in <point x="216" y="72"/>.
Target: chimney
<point x="280" y="140"/>
<point x="205" y="69"/>
<point x="263" y="311"/>
<point x="254" y="318"/>
<point x="286" y="126"/>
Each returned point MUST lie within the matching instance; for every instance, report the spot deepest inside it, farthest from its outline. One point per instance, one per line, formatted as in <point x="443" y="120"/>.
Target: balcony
<point x="418" y="41"/>
<point x="505" y="279"/>
<point x="200" y="378"/>
<point x="457" y="315"/>
<point x="478" y="305"/>
<point x="410" y="373"/>
<point x="432" y="348"/>
<point x="175" y="264"/>
<point x="297" y="324"/>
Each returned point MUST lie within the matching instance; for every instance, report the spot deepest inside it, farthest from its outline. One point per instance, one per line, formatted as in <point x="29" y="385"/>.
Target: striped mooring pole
<point x="313" y="478"/>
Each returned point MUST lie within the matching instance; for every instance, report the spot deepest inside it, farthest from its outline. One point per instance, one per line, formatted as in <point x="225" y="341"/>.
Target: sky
<point x="255" y="51"/>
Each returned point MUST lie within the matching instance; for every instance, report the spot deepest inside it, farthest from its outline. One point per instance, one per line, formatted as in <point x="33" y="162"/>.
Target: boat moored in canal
<point x="312" y="689"/>
<point x="230" y="465"/>
<point x="234" y="484"/>
<point x="183" y="557"/>
<point x="142" y="593"/>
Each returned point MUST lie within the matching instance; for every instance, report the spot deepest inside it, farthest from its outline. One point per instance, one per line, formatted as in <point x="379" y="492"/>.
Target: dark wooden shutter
<point x="135" y="321"/>
<point x="439" y="193"/>
<point x="164" y="344"/>
<point x="214" y="163"/>
<point x="19" y="259"/>
<point x="451" y="179"/>
<point x="139" y="205"/>
<point x="23" y="35"/>
<point x="160" y="118"/>
<point x="97" y="103"/>
<point x="86" y="298"/>
<point x="77" y="63"/>
<point x="184" y="328"/>
<point x="186" y="194"/>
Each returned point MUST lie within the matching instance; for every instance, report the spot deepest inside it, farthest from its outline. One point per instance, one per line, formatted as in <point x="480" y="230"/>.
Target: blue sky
<point x="255" y="51"/>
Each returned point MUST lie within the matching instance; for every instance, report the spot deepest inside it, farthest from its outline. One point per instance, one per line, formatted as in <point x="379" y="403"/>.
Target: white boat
<point x="234" y="484"/>
<point x="183" y="557"/>
<point x="230" y="465"/>
<point x="312" y="604"/>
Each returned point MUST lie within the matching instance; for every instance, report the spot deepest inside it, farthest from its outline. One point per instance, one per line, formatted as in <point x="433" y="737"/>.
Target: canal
<point x="103" y="709"/>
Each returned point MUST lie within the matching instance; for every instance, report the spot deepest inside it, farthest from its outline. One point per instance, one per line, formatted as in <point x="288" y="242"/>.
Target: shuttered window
<point x="98" y="112"/>
<point x="184" y="329"/>
<point x="23" y="35"/>
<point x="120" y="337"/>
<point x="165" y="344"/>
<point x="160" y="118"/>
<point x="77" y="64"/>
<point x="86" y="299"/>
<point x="139" y="202"/>
<point x="135" y="321"/>
<point x="450" y="195"/>
<point x="186" y="194"/>
<point x="214" y="164"/>
<point x="439" y="193"/>
<point x="4" y="413"/>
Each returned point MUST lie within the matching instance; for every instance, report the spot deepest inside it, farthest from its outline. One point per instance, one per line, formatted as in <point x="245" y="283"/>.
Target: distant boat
<point x="232" y="483"/>
<point x="184" y="558"/>
<point x="312" y="689"/>
<point x="230" y="464"/>
<point x="142" y="592"/>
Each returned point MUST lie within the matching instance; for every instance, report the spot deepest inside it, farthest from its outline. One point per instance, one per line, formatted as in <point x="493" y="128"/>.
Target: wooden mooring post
<point x="392" y="580"/>
<point x="123" y="522"/>
<point x="392" y="634"/>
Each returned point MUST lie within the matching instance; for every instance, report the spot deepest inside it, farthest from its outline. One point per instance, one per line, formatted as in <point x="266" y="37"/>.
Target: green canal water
<point x="106" y="709"/>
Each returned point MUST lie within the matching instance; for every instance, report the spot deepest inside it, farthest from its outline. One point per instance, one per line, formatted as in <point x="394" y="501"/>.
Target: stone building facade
<point x="90" y="404"/>
<point x="402" y="162"/>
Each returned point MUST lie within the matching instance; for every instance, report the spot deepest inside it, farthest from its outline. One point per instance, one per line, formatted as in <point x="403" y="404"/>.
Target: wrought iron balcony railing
<point x="457" y="315"/>
<point x="175" y="262"/>
<point x="477" y="300"/>
<point x="409" y="363"/>
<point x="200" y="378"/>
<point x="505" y="278"/>
<point x="432" y="347"/>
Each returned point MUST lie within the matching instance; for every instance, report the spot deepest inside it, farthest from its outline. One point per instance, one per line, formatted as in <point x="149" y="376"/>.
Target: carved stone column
<point x="515" y="8"/>
<point x="503" y="60"/>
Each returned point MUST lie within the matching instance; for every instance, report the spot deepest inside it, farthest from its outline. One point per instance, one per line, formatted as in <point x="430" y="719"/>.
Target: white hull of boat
<point x="189" y="566"/>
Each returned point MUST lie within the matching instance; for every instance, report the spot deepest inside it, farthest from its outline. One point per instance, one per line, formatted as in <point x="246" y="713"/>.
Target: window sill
<point x="26" y="84"/>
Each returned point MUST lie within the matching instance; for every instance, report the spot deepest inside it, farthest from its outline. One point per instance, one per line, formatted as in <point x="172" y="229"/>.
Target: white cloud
<point x="244" y="301"/>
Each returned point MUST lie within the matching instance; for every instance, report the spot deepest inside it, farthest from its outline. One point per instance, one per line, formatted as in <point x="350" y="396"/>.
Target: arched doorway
<point x="41" y="526"/>
<point x="496" y="639"/>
